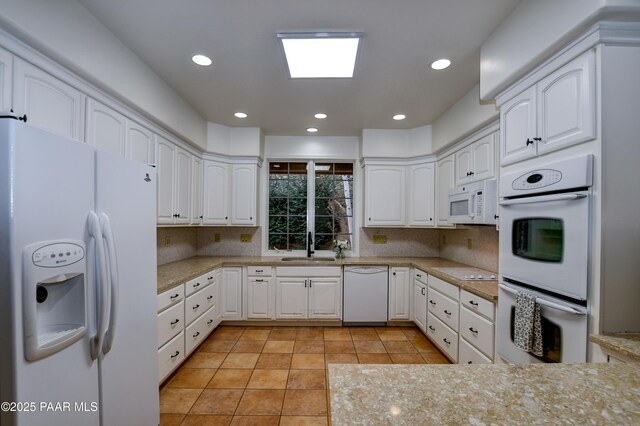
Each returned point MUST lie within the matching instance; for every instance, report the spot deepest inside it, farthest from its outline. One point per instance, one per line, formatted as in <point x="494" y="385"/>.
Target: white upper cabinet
<point x="421" y="197"/>
<point x="6" y="70"/>
<point x="196" y="191"/>
<point x="174" y="183"/>
<point x="216" y="187"/>
<point x="445" y="180"/>
<point x="476" y="161"/>
<point x="385" y="195"/>
<point x="48" y="102"/>
<point x="139" y="145"/>
<point x="557" y="112"/>
<point x="106" y="128"/>
<point x="243" y="196"/>
<point x="230" y="193"/>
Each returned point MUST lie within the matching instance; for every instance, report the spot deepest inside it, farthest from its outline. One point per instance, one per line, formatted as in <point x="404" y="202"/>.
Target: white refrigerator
<point x="78" y="328"/>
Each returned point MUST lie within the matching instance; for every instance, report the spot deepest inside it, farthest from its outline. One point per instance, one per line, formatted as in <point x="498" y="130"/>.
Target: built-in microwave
<point x="474" y="203"/>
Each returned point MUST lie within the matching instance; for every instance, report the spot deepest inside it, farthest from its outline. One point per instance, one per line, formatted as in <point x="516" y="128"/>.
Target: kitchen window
<point x="311" y="196"/>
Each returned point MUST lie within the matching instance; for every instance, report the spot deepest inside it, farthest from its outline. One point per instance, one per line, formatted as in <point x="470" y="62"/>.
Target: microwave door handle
<point x="545" y="302"/>
<point x="472" y="204"/>
<point x="542" y="199"/>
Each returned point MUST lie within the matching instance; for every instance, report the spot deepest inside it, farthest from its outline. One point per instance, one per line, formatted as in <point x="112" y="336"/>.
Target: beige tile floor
<point x="277" y="375"/>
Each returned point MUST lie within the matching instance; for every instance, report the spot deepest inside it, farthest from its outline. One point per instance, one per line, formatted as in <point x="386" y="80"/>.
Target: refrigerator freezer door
<point x="47" y="192"/>
<point x="126" y="195"/>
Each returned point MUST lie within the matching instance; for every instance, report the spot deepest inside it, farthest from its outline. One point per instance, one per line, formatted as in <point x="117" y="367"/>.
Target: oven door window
<point x="551" y="339"/>
<point x="459" y="208"/>
<point x="538" y="238"/>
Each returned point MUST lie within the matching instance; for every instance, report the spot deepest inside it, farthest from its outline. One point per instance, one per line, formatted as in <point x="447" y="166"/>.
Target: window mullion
<point x="311" y="198"/>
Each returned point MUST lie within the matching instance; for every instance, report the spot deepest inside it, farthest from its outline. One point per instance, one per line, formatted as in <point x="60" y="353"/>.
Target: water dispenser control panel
<point x="57" y="254"/>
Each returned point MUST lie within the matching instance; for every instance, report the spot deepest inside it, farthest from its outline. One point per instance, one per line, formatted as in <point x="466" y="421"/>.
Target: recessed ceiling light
<point x="320" y="55"/>
<point x="201" y="60"/>
<point x="398" y="117"/>
<point x="312" y="129"/>
<point x="240" y="115"/>
<point x="320" y="115"/>
<point x="440" y="64"/>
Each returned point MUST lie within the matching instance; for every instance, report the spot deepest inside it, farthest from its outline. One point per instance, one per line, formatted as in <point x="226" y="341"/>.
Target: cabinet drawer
<point x="170" y="323"/>
<point x="198" y="303"/>
<point x="443" y="308"/>
<point x="257" y="271"/>
<point x="444" y="287"/>
<point x="477" y="330"/>
<point x="470" y="355"/>
<point x="197" y="331"/>
<point x="170" y="356"/>
<point x="170" y="297"/>
<point x="443" y="336"/>
<point x="478" y="304"/>
<point x="420" y="276"/>
<point x="199" y="283"/>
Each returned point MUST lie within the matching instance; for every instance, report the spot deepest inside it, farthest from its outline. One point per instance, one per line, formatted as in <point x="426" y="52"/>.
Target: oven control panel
<point x="537" y="179"/>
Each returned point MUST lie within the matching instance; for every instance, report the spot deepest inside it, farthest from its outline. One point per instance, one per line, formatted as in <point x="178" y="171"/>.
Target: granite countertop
<point x="175" y="273"/>
<point x="496" y="394"/>
<point x="625" y="344"/>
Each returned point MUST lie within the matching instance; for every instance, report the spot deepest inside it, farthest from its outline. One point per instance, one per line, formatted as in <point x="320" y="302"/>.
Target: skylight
<point x="320" y="55"/>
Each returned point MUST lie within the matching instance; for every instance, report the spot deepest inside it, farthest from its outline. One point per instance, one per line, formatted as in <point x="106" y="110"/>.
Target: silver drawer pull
<point x="473" y="331"/>
<point x="174" y="296"/>
<point x="471" y="302"/>
<point x="175" y="355"/>
<point x="209" y="322"/>
<point x="446" y="341"/>
<point x="197" y="334"/>
<point x="196" y="307"/>
<point x="447" y="312"/>
<point x="175" y="322"/>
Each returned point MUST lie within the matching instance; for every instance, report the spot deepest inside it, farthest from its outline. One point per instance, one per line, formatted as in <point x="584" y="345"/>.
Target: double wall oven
<point x="544" y="250"/>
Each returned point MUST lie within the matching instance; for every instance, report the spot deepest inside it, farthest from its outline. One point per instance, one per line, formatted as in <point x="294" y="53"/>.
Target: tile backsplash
<point x="183" y="243"/>
<point x="229" y="243"/>
<point x="484" y="246"/>
<point x="400" y="242"/>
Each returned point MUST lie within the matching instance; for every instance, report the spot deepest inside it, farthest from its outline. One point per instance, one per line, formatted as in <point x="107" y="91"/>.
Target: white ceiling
<point x="401" y="38"/>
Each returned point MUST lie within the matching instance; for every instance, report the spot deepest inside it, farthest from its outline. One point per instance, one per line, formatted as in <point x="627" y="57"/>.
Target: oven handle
<point x="542" y="199"/>
<point x="545" y="302"/>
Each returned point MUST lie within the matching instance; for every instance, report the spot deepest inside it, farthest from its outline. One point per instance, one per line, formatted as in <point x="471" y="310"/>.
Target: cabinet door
<point x="6" y="80"/>
<point x="291" y="298"/>
<point x="445" y="180"/>
<point x="106" y="128"/>
<point x="464" y="163"/>
<point x="215" y="193"/>
<point x="566" y="105"/>
<point x="243" y="197"/>
<point x="182" y="191"/>
<point x="420" y="305"/>
<point x="48" y="102"/>
<point x="217" y="282"/>
<point x="385" y="196"/>
<point x="140" y="143"/>
<point x="518" y="127"/>
<point x="400" y="294"/>
<point x="325" y="296"/>
<point x="165" y="152"/>
<point x="231" y="296"/>
<point x="259" y="295"/>
<point x="421" y="195"/>
<point x="483" y="155"/>
<point x="196" y="191"/>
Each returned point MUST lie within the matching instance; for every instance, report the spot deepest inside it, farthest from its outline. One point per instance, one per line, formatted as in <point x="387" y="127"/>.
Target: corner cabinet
<point x="384" y="196"/>
<point x="230" y="193"/>
<point x="421" y="201"/>
<point x="559" y="111"/>
<point x="400" y="287"/>
<point x="445" y="180"/>
<point x="174" y="183"/>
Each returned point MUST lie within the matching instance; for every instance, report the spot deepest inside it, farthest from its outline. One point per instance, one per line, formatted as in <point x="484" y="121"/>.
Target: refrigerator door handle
<point x="114" y="283"/>
<point x="102" y="290"/>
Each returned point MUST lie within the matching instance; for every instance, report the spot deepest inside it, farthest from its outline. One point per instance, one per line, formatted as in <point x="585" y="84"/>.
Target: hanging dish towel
<point x="527" y="333"/>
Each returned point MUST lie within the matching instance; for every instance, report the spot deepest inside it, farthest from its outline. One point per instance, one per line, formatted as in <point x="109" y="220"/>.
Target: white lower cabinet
<point x="260" y="293"/>
<point x="170" y="330"/>
<point x="400" y="294"/>
<point x="231" y="293"/>
<point x="443" y="317"/>
<point x="309" y="293"/>
<point x="198" y="330"/>
<point x="170" y="356"/>
<point x="420" y="299"/>
<point x="443" y="336"/>
<point x="170" y="323"/>
<point x="470" y="355"/>
<point x="477" y="325"/>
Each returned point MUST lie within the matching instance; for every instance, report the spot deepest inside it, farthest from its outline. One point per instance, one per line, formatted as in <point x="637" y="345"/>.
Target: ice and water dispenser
<point x="53" y="299"/>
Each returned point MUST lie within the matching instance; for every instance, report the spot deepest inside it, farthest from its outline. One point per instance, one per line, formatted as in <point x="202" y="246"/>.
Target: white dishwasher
<point x="366" y="290"/>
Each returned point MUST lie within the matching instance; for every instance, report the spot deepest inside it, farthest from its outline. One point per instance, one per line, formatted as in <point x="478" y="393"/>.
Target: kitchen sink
<point x="308" y="259"/>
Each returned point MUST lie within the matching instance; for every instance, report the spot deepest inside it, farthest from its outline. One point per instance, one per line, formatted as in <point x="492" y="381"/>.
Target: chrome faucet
<point x="310" y="245"/>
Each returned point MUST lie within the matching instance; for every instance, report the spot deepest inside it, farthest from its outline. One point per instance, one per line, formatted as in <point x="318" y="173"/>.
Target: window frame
<point x="311" y="207"/>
